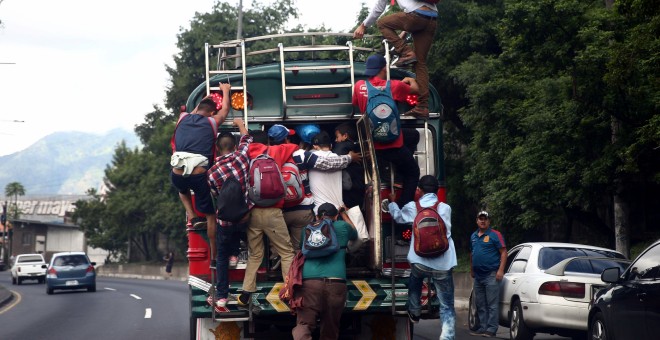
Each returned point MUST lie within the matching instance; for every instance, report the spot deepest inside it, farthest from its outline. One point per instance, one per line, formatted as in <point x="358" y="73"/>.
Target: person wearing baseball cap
<point x="395" y="152"/>
<point x="487" y="260"/>
<point x="324" y="281"/>
<point x="278" y="133"/>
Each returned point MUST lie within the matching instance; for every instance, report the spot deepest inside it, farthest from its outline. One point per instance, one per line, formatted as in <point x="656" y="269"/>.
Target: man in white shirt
<point x="325" y="185"/>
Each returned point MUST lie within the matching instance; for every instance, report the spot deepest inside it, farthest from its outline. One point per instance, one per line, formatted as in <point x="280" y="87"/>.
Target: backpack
<point x="293" y="185"/>
<point x="231" y="205"/>
<point x="320" y="239"/>
<point x="430" y="232"/>
<point x="383" y="114"/>
<point x="265" y="182"/>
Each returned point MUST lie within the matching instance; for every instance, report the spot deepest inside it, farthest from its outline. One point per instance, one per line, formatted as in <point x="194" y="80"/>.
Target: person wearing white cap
<point x="487" y="260"/>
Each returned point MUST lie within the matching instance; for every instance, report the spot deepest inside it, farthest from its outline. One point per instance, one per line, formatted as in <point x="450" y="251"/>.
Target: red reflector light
<point x="573" y="290"/>
<point x="316" y="96"/>
<point x="411" y="99"/>
<point x="217" y="99"/>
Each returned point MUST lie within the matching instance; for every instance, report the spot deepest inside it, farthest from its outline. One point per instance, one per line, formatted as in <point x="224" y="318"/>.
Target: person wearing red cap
<point x="420" y="19"/>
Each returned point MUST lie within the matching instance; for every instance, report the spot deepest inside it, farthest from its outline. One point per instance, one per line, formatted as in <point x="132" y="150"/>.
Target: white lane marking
<point x="136" y="297"/>
<point x="112" y="289"/>
<point x="147" y="313"/>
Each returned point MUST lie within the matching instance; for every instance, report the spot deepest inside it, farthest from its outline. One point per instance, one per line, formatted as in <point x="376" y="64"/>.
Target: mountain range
<point x="63" y="163"/>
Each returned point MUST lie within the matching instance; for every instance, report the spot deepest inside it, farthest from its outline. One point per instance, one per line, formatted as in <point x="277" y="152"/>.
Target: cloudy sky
<point x="92" y="65"/>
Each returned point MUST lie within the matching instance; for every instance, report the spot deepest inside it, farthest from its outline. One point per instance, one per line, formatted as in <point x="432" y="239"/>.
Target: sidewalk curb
<point x="6" y="296"/>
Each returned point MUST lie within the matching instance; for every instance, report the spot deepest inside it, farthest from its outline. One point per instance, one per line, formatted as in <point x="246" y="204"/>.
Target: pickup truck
<point x="28" y="267"/>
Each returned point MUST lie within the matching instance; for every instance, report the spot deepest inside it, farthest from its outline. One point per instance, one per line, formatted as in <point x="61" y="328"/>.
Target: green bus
<point x="302" y="78"/>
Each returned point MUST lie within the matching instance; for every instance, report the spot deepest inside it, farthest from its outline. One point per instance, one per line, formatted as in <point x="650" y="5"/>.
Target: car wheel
<point x="473" y="317"/>
<point x="49" y="291"/>
<point x="517" y="328"/>
<point x="13" y="280"/>
<point x="597" y="328"/>
<point x="18" y="281"/>
<point x="42" y="281"/>
<point x="91" y="289"/>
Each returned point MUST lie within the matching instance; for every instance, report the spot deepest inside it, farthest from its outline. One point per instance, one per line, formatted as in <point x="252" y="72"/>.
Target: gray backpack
<point x="265" y="181"/>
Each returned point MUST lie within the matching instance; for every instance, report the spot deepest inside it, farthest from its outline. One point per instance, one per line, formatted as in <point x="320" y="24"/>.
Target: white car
<point x="28" y="267"/>
<point x="547" y="288"/>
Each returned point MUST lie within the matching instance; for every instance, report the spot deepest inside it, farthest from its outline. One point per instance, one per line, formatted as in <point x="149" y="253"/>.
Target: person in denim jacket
<point x="437" y="270"/>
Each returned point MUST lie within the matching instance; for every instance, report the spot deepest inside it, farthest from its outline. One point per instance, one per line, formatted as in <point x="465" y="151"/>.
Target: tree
<point x="14" y="189"/>
<point x="539" y="116"/>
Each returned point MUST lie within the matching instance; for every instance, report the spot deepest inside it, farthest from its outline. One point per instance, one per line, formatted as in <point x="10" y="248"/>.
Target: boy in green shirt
<point x="324" y="282"/>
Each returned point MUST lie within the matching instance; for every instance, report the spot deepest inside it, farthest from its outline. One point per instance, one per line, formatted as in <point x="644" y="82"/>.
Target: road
<point x="119" y="309"/>
<point x="130" y="309"/>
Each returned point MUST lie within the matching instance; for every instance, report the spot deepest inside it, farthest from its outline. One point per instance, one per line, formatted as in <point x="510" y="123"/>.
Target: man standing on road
<point x="487" y="261"/>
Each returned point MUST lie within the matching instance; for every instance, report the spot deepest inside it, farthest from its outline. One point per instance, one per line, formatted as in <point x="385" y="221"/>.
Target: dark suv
<point x="629" y="308"/>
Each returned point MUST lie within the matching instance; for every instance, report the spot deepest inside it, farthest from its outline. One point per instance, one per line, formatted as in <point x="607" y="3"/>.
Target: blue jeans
<point x="487" y="299"/>
<point x="227" y="240"/>
<point x="444" y="288"/>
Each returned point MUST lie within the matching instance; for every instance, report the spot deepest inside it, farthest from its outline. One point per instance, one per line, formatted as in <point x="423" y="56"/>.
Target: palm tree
<point x="14" y="189"/>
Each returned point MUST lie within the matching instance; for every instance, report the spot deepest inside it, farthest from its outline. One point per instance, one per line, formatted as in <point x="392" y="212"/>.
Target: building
<point x="45" y="227"/>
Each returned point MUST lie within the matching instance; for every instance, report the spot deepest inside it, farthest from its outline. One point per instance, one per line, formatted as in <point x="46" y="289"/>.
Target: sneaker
<point x="198" y="222"/>
<point x="418" y="112"/>
<point x="478" y="332"/>
<point x="413" y="318"/>
<point x="489" y="334"/>
<point x="384" y="205"/>
<point x="405" y="59"/>
<point x="243" y="299"/>
<point x="233" y="261"/>
<point x="276" y="263"/>
<point x="221" y="302"/>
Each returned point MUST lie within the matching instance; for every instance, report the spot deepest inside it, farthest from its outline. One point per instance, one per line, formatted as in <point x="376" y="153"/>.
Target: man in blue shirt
<point x="437" y="269"/>
<point x="487" y="261"/>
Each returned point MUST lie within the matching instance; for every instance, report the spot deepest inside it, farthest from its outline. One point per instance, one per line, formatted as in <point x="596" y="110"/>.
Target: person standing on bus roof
<point x="420" y="19"/>
<point x="394" y="152"/>
<point x="193" y="147"/>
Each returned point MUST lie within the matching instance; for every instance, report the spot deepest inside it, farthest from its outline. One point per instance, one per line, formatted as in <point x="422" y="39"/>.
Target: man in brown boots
<point x="420" y="19"/>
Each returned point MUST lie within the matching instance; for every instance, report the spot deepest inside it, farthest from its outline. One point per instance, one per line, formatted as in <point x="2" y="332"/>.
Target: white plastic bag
<point x="355" y="214"/>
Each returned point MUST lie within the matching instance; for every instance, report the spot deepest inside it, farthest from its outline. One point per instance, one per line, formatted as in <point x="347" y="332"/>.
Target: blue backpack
<point x="383" y="114"/>
<point x="320" y="239"/>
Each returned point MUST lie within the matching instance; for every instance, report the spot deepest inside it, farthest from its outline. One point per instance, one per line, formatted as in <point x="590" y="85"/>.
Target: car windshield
<point x="70" y="260"/>
<point x="30" y="258"/>
<point x="550" y="256"/>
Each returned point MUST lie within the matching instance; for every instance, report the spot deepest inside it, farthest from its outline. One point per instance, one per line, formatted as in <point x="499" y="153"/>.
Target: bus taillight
<point x="411" y="99"/>
<point x="237" y="100"/>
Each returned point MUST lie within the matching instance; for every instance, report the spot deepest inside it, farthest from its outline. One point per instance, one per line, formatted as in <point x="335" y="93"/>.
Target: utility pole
<point x="239" y="31"/>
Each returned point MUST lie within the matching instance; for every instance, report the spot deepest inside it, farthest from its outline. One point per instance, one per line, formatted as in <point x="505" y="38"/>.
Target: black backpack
<point x="231" y="203"/>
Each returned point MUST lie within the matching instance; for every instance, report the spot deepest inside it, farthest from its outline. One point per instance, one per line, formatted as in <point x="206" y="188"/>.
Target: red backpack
<point x="430" y="232"/>
<point x="265" y="182"/>
<point x="295" y="191"/>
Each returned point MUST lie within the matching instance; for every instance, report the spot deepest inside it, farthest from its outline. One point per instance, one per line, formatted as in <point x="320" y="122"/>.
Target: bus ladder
<point x="294" y="69"/>
<point x="221" y="68"/>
